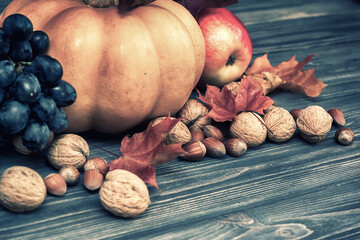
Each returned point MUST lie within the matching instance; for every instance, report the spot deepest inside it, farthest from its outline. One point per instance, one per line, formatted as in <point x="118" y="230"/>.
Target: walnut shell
<point x="179" y="134"/>
<point x="249" y="128"/>
<point x="21" y="189"/>
<point x="68" y="149"/>
<point x="280" y="123"/>
<point x="314" y="123"/>
<point x="192" y="114"/>
<point x="124" y="194"/>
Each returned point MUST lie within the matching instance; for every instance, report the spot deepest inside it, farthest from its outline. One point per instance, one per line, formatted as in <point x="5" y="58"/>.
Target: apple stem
<point x="231" y="60"/>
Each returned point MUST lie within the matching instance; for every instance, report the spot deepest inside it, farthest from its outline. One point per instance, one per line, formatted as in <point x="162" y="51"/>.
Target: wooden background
<point x="292" y="190"/>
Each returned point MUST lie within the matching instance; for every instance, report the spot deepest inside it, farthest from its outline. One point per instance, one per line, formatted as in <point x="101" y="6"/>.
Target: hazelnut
<point x="55" y="184"/>
<point x="314" y="123"/>
<point x="178" y="134"/>
<point x="92" y="179"/>
<point x="250" y="128"/>
<point x="70" y="174"/>
<point x="280" y="123"/>
<point x="235" y="147"/>
<point x="338" y="116"/>
<point x="21" y="189"/>
<point x="197" y="135"/>
<point x="68" y="149"/>
<point x="212" y="131"/>
<point x="97" y="163"/>
<point x="192" y="114"/>
<point x="194" y="151"/>
<point x="344" y="136"/>
<point x="124" y="194"/>
<point x="214" y="147"/>
<point x="295" y="113"/>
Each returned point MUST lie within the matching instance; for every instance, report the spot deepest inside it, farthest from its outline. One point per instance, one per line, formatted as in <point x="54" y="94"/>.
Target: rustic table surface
<point x="292" y="190"/>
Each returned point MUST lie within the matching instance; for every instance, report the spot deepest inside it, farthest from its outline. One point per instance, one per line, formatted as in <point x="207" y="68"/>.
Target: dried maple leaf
<point x="225" y="104"/>
<point x="286" y="75"/>
<point x="144" y="150"/>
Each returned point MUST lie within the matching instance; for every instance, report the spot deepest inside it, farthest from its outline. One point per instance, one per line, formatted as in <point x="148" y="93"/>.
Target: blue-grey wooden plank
<point x="282" y="191"/>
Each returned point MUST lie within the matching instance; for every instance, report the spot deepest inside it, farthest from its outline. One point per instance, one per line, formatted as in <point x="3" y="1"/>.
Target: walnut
<point x="179" y="134"/>
<point x="281" y="124"/>
<point x="124" y="194"/>
<point x="314" y="123"/>
<point x="68" y="149"/>
<point x="21" y="189"/>
<point x="192" y="114"/>
<point x="249" y="127"/>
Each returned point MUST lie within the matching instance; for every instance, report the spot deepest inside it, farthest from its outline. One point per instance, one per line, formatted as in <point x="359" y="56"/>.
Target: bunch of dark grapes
<point x="32" y="91"/>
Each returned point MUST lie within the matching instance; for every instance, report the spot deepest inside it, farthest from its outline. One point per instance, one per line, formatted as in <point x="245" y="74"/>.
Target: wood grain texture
<point x="291" y="190"/>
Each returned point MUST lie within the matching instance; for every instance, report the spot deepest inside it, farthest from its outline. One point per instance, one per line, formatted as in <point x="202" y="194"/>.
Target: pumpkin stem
<point x="101" y="3"/>
<point x="122" y="5"/>
<point x="127" y="5"/>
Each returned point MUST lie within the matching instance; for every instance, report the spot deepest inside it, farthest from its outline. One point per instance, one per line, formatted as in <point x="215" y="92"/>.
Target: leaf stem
<point x="104" y="150"/>
<point x="262" y="123"/>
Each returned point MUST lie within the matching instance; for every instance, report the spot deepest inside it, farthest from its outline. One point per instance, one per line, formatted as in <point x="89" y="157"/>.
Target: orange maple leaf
<point x="144" y="150"/>
<point x="225" y="104"/>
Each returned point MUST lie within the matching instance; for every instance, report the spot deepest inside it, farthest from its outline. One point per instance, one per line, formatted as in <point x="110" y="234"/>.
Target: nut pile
<point x="125" y="194"/>
<point x="121" y="192"/>
<point x="250" y="129"/>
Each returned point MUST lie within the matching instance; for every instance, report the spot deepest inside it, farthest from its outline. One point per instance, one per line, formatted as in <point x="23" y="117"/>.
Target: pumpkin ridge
<point x="181" y="45"/>
<point x="153" y="109"/>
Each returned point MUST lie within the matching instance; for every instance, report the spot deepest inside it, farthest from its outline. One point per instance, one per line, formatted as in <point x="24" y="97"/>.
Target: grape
<point x="59" y="122"/>
<point x="4" y="45"/>
<point x="2" y="95"/>
<point x="32" y="91"/>
<point x="4" y="140"/>
<point x="35" y="135"/>
<point x="29" y="69"/>
<point x="14" y="116"/>
<point x="26" y="88"/>
<point x="45" y="108"/>
<point x="17" y="27"/>
<point x="20" y="51"/>
<point x="7" y="73"/>
<point x="64" y="94"/>
<point x="39" y="42"/>
<point x="48" y="70"/>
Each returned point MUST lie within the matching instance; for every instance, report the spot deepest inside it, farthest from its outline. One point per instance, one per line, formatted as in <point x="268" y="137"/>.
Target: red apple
<point x="228" y="46"/>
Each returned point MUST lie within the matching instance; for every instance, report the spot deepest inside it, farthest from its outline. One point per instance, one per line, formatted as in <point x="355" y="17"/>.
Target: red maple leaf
<point x="225" y="105"/>
<point x="144" y="150"/>
<point x="287" y="75"/>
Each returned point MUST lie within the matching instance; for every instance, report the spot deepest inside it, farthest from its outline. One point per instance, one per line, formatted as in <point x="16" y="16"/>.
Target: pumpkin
<point x="126" y="66"/>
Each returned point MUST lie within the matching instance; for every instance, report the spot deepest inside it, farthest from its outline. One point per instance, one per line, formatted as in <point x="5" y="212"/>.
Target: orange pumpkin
<point x="127" y="67"/>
